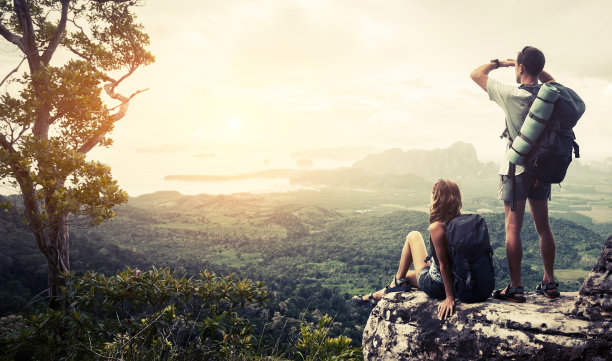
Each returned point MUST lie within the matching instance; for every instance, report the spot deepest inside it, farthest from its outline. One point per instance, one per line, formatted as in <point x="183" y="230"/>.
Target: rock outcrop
<point x="575" y="326"/>
<point x="595" y="299"/>
<point x="458" y="161"/>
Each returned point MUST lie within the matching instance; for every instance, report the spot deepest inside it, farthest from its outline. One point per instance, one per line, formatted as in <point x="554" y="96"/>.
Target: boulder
<point x="575" y="326"/>
<point x="594" y="302"/>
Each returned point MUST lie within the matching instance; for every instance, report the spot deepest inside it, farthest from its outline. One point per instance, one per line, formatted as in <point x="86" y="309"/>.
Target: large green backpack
<point x="550" y="157"/>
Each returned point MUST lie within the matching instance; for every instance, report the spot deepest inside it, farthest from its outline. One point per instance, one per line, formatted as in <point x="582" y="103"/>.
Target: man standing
<point x="515" y="102"/>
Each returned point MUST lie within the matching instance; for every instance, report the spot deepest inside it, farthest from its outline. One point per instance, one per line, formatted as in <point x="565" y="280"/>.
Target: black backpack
<point x="550" y="157"/>
<point x="471" y="257"/>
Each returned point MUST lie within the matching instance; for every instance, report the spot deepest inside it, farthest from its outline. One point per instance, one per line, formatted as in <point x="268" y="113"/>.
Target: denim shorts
<point x="523" y="188"/>
<point x="431" y="287"/>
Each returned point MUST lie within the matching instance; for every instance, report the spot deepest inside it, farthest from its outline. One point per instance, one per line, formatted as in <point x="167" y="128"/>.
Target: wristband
<point x="496" y="61"/>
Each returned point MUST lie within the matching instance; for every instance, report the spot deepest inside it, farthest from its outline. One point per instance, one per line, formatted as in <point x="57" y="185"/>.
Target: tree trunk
<point x="58" y="260"/>
<point x="54" y="243"/>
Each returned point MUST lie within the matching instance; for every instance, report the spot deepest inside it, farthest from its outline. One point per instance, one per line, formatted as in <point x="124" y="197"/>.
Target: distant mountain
<point x="456" y="162"/>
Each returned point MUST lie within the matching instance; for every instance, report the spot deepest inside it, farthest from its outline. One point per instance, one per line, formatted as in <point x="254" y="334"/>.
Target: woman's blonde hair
<point x="446" y="201"/>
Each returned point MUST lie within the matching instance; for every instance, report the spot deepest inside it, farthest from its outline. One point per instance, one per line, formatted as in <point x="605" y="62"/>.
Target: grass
<point x="599" y="214"/>
<point x="571" y="274"/>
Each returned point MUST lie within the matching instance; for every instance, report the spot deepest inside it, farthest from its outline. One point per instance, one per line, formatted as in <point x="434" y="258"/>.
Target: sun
<point x="235" y="123"/>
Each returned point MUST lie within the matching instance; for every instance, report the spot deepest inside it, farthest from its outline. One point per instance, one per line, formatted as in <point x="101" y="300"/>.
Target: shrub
<point x="315" y="345"/>
<point x="154" y="315"/>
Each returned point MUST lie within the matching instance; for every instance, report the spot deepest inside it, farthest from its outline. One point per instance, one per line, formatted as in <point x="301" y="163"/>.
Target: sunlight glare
<point x="235" y="123"/>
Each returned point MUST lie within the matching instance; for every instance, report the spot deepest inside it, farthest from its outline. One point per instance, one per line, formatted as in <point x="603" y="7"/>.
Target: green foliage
<point x="157" y="315"/>
<point x="154" y="315"/>
<point x="68" y="100"/>
<point x="314" y="344"/>
<point x="52" y="115"/>
<point x="114" y="39"/>
<point x="312" y="258"/>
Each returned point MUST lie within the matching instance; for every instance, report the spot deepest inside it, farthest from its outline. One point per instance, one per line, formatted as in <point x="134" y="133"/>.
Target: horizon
<point x="279" y="77"/>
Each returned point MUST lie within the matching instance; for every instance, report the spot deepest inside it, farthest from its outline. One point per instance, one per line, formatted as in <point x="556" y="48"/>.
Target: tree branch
<point x="130" y="98"/>
<point x="55" y="39"/>
<point x="29" y="41"/>
<point x="13" y="71"/>
<point x="23" y="130"/>
<point x="56" y="117"/>
<point x="123" y="108"/>
<point x="102" y="75"/>
<point x="6" y="144"/>
<point x="17" y="40"/>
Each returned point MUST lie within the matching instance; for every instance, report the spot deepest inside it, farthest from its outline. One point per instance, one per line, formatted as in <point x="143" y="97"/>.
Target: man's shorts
<point x="523" y="188"/>
<point x="431" y="287"/>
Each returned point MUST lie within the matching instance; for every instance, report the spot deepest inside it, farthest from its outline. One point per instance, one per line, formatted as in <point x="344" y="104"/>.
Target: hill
<point x="459" y="161"/>
<point x="312" y="257"/>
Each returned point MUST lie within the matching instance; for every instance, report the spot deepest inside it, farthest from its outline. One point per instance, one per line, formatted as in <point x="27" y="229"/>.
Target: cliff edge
<point x="575" y="326"/>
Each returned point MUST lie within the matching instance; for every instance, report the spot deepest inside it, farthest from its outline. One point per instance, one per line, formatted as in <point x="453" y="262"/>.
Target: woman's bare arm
<point x="438" y="237"/>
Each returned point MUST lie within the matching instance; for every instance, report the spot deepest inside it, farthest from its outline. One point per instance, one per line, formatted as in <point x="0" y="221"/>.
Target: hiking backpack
<point x="471" y="257"/>
<point x="551" y="155"/>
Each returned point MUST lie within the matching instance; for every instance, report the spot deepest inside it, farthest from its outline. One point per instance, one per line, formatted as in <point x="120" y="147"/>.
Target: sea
<point x="139" y="172"/>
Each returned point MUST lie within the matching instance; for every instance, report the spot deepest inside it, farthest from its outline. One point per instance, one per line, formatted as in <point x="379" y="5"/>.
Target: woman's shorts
<point x="431" y="287"/>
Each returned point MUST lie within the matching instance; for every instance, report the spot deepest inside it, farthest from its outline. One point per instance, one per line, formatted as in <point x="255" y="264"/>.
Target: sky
<point x="295" y="75"/>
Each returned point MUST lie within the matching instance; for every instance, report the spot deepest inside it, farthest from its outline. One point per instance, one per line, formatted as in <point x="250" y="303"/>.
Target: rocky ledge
<point x="575" y="326"/>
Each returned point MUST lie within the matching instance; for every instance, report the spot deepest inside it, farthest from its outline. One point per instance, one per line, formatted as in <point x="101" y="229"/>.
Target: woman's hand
<point x="446" y="308"/>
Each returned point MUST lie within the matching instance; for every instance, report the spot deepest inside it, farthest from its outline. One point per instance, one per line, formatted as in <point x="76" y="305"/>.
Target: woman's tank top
<point x="434" y="269"/>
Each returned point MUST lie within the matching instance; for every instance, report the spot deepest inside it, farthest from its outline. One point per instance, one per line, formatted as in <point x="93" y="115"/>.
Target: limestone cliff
<point x="576" y="326"/>
<point x="458" y="161"/>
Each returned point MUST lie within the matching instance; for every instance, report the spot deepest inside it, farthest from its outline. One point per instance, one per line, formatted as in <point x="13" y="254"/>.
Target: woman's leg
<point x="414" y="251"/>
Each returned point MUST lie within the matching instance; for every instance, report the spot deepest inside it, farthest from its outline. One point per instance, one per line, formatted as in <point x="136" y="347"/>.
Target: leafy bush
<point x="157" y="315"/>
<point x="315" y="345"/>
<point x="154" y="315"/>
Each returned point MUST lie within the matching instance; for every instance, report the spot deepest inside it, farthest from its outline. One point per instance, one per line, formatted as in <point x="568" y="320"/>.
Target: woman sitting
<point x="432" y="278"/>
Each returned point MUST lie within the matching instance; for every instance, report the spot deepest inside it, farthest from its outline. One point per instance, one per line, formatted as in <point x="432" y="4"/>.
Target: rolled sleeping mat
<point x="534" y="124"/>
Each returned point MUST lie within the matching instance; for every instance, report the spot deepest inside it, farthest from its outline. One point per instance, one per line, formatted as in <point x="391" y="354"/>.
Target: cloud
<point x="317" y="73"/>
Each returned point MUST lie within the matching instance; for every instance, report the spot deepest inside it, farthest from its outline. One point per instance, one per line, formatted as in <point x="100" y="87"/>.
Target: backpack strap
<point x="533" y="88"/>
<point x="576" y="149"/>
<point x="468" y="269"/>
<point x="512" y="175"/>
<point x="432" y="253"/>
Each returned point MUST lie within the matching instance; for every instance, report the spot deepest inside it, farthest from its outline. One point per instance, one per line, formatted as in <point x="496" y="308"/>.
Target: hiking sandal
<point x="395" y="285"/>
<point x="545" y="289"/>
<point x="510" y="294"/>
<point x="371" y="302"/>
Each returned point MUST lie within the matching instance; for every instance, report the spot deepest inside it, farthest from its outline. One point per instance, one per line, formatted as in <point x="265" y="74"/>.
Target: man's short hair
<point x="533" y="60"/>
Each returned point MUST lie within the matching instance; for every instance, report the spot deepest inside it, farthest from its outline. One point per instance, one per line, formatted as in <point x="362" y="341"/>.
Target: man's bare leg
<point x="514" y="246"/>
<point x="539" y="213"/>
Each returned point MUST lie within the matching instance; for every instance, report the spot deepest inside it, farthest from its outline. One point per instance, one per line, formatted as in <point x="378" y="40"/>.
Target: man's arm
<point x="481" y="74"/>
<point x="544" y="77"/>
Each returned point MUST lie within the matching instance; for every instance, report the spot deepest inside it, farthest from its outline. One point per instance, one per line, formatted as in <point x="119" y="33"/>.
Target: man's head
<point x="529" y="62"/>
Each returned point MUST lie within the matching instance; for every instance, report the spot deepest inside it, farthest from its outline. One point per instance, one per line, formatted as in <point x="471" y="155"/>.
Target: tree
<point x="52" y="115"/>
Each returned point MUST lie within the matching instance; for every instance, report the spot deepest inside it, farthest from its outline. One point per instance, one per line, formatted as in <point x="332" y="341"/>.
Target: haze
<point x="285" y="76"/>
